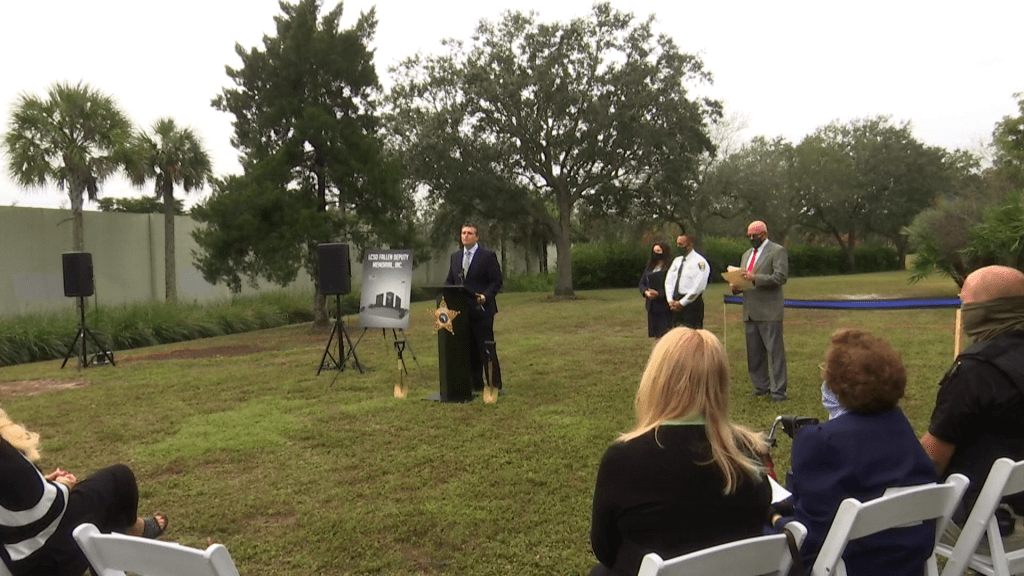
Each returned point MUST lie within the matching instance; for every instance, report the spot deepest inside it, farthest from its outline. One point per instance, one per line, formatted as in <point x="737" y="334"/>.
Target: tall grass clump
<point x="46" y="335"/>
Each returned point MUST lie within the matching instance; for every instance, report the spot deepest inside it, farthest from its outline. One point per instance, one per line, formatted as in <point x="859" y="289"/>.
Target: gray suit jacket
<point x="765" y="302"/>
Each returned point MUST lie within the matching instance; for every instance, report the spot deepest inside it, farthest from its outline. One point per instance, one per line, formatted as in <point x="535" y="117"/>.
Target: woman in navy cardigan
<point x="868" y="447"/>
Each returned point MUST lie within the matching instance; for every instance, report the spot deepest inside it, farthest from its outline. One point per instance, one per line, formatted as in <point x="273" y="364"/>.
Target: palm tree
<point x="170" y="155"/>
<point x="75" y="138"/>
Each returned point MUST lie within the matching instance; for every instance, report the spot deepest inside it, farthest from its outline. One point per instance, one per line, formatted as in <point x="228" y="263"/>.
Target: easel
<point x="83" y="333"/>
<point x="338" y="362"/>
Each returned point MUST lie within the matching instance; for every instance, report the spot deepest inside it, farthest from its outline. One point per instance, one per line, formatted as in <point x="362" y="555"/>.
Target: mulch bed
<point x="33" y="387"/>
<point x="195" y="353"/>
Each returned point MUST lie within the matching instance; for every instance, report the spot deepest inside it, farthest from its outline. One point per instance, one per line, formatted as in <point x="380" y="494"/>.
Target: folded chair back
<point x="116" y="554"/>
<point x="749" y="557"/>
<point x="1005" y="478"/>
<point x="906" y="507"/>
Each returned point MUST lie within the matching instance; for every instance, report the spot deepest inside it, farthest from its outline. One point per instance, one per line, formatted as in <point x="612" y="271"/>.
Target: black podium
<point x="453" y="344"/>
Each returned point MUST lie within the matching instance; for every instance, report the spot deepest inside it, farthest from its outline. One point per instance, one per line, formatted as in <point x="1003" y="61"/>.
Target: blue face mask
<point x="831" y="403"/>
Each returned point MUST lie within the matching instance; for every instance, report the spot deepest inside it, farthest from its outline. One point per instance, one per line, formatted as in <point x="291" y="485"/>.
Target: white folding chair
<point x="905" y="507"/>
<point x="752" y="556"/>
<point x="1006" y="477"/>
<point x="115" y="554"/>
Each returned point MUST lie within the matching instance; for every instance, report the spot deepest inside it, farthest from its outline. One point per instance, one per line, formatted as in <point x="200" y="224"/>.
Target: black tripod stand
<point x="338" y="362"/>
<point x="83" y="333"/>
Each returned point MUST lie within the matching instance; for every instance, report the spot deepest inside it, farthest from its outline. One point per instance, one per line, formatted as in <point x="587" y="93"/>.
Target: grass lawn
<point x="298" y="474"/>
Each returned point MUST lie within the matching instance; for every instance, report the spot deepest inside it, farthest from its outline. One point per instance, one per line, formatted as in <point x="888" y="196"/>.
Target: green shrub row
<point x="620" y="265"/>
<point x="46" y="336"/>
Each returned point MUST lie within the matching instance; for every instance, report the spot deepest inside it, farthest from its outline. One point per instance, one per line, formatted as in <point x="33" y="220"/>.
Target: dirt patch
<point x="194" y="353"/>
<point x="33" y="387"/>
<point x="420" y="558"/>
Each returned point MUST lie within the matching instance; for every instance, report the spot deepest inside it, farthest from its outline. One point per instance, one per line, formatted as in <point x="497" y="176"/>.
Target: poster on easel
<point x="385" y="292"/>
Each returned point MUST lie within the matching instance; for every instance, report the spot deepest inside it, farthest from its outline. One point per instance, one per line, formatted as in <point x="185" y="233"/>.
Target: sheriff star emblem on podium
<point x="443" y="317"/>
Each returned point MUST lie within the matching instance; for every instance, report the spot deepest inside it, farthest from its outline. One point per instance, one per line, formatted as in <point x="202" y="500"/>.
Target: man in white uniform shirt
<point x="685" y="283"/>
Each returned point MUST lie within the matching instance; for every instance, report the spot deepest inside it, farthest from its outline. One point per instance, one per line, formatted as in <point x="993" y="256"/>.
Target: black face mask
<point x="756" y="243"/>
<point x="685" y="250"/>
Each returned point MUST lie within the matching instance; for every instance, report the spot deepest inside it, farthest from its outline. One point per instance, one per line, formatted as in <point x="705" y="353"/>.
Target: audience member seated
<point x="38" y="512"/>
<point x="866" y="447"/>
<point x="685" y="477"/>
<point x="980" y="403"/>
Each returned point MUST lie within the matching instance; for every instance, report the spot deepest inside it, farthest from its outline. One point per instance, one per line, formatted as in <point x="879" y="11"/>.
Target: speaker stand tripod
<point x="338" y="362"/>
<point x="83" y="334"/>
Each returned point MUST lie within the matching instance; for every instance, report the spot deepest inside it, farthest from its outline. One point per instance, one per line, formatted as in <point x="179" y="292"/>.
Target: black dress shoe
<point x="757" y="393"/>
<point x="778" y="399"/>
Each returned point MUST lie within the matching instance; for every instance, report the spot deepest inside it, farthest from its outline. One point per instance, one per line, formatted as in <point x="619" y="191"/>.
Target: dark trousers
<point x="481" y="332"/>
<point x="691" y="316"/>
<point x="109" y="499"/>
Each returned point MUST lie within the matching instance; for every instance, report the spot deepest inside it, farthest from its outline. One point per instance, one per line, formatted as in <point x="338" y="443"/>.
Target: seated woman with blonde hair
<point x="38" y="512"/>
<point x="685" y="477"/>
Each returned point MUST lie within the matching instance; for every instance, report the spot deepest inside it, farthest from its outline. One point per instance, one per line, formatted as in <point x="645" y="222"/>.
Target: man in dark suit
<point x="766" y="266"/>
<point x="478" y="271"/>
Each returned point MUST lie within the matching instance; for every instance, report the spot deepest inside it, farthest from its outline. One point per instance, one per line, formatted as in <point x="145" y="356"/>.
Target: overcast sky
<point x="788" y="67"/>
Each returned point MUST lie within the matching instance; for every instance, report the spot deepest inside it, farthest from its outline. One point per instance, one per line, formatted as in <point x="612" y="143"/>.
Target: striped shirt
<point x="31" y="507"/>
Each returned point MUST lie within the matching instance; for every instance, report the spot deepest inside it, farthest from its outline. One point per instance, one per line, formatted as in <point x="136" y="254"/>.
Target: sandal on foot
<point x="151" y="525"/>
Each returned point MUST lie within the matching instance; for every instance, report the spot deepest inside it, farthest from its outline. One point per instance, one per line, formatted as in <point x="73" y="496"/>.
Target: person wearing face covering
<point x="685" y="283"/>
<point x="766" y="266"/>
<point x="659" y="317"/>
<point x="979" y="409"/>
<point x="866" y="447"/>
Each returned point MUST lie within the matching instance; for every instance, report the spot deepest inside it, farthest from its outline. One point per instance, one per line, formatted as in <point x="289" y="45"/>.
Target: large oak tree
<point x="866" y="176"/>
<point x="532" y="119"/>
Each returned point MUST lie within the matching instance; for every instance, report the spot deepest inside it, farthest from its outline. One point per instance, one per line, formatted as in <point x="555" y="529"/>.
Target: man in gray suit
<point x="766" y="266"/>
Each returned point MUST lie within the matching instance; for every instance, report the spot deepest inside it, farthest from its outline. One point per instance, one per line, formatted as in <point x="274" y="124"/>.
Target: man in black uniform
<point x="979" y="410"/>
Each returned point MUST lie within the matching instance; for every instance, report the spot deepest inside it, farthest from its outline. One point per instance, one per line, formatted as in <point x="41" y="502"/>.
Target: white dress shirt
<point x="687" y="277"/>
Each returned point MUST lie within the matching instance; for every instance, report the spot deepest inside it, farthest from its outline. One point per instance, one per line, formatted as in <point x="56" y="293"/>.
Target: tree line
<point x="541" y="132"/>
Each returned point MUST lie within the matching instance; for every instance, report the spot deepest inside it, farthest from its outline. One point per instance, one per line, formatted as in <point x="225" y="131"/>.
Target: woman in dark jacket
<point x="685" y="477"/>
<point x="867" y="447"/>
<point x="652" y="288"/>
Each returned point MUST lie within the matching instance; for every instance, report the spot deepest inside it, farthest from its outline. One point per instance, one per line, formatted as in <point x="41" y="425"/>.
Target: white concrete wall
<point x="128" y="260"/>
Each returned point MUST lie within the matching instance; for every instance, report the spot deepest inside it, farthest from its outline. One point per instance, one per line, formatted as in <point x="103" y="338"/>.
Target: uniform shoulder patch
<point x="700" y="265"/>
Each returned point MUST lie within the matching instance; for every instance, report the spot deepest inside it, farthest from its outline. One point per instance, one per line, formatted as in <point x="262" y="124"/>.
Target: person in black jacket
<point x="980" y="404"/>
<point x="477" y="270"/>
<point x="652" y="288"/>
<point x="39" y="512"/>
<point x="685" y="477"/>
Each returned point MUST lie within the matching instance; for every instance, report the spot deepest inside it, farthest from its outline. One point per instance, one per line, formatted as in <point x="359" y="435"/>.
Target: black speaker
<point x="335" y="269"/>
<point x="77" y="274"/>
